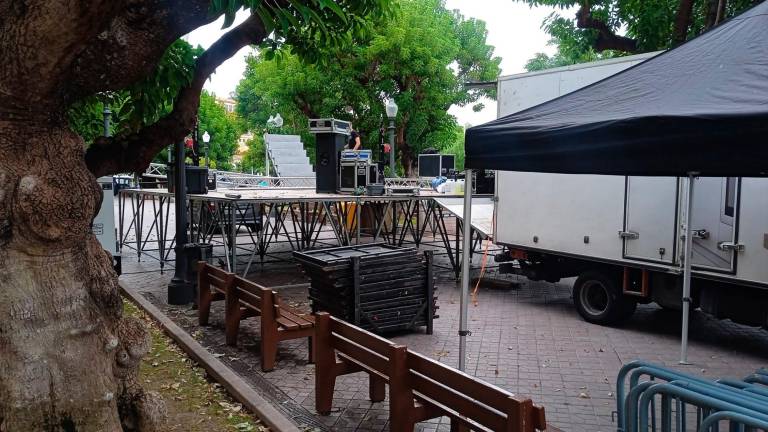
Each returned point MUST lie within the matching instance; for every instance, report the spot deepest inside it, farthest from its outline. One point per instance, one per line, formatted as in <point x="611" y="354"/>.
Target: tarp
<point x="701" y="107"/>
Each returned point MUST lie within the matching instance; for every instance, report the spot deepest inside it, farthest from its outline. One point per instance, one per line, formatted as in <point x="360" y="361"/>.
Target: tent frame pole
<point x="687" y="258"/>
<point x="465" y="270"/>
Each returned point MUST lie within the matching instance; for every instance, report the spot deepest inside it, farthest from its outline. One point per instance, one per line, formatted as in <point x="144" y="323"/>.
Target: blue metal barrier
<point x="747" y="399"/>
<point x="711" y="421"/>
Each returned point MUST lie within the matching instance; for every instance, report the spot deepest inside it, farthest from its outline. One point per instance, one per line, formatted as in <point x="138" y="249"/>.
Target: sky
<point x="514" y="29"/>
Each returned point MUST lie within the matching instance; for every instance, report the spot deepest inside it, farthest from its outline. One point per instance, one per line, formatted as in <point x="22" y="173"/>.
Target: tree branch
<point x="606" y="38"/>
<point x="134" y="152"/>
<point x="132" y="44"/>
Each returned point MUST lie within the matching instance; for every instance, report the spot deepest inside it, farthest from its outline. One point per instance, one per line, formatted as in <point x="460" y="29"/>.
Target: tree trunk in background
<point x="63" y="340"/>
<point x="682" y="22"/>
<point x="406" y="153"/>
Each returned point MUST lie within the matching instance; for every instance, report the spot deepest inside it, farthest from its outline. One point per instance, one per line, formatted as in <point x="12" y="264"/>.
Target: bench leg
<point x="376" y="389"/>
<point x="268" y="350"/>
<point x="457" y="426"/>
<point x="311" y="348"/>
<point x="231" y="319"/>
<point x="204" y="305"/>
<point x="399" y="422"/>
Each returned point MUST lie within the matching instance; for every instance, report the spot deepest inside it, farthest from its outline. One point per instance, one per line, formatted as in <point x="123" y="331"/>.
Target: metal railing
<point x="228" y="180"/>
<point x="688" y="402"/>
<point x="421" y="183"/>
<point x="156" y="170"/>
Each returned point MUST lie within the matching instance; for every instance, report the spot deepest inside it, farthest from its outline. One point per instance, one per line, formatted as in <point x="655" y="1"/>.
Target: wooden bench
<point x="245" y="299"/>
<point x="212" y="285"/>
<point x="420" y="388"/>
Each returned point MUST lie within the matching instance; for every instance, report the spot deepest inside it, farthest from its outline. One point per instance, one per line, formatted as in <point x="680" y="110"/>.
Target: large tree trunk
<point x="68" y="358"/>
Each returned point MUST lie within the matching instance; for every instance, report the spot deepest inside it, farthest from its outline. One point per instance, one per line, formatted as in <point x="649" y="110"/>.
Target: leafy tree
<point x="421" y="57"/>
<point x="140" y="104"/>
<point x="69" y="359"/>
<point x="606" y="28"/>
<point x="254" y="158"/>
<point x="224" y="129"/>
<point x="456" y="147"/>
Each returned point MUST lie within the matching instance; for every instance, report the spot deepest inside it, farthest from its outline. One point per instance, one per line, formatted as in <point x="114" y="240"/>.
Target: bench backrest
<point x="467" y="396"/>
<point x="210" y="276"/>
<point x="367" y="350"/>
<point x="252" y="294"/>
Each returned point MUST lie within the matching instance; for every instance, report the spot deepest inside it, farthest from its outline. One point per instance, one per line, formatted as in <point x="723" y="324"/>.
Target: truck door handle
<point x="629" y="235"/>
<point x="730" y="246"/>
<point x="702" y="234"/>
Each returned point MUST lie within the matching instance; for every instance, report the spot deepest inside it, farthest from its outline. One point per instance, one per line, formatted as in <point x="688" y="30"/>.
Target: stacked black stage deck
<point x="378" y="287"/>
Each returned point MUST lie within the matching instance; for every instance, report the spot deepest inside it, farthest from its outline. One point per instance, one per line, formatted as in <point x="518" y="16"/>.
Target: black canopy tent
<point x="698" y="109"/>
<point x="701" y="107"/>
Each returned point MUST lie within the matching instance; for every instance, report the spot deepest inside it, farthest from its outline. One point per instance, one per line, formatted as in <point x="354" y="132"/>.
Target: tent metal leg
<point x="687" y="258"/>
<point x="465" y="268"/>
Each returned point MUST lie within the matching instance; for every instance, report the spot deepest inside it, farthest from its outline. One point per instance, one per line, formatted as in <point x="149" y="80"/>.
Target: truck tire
<point x="599" y="299"/>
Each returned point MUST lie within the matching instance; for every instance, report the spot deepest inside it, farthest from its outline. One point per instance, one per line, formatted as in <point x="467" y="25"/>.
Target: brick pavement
<point x="530" y="341"/>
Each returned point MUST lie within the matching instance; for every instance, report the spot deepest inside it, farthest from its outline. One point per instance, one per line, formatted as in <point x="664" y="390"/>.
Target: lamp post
<point x="179" y="290"/>
<point x="196" y="143"/>
<point x="107" y="114"/>
<point x="206" y="140"/>
<point x="391" y="109"/>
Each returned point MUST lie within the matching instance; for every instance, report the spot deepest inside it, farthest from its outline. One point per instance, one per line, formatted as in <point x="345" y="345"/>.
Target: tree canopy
<point x="421" y="56"/>
<point x="224" y="129"/>
<point x="595" y="29"/>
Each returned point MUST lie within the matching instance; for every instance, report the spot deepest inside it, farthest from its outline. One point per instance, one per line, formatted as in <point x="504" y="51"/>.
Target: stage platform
<point x="247" y="222"/>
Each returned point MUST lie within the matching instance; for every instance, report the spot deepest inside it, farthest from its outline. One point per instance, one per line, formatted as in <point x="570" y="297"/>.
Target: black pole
<point x="179" y="291"/>
<point x="196" y="144"/>
<point x="392" y="171"/>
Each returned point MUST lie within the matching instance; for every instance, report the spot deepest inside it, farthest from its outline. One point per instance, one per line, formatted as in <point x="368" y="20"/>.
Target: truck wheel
<point x="599" y="300"/>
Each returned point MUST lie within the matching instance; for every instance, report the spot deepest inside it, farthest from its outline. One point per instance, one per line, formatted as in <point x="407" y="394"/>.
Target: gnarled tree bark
<point x="68" y="358"/>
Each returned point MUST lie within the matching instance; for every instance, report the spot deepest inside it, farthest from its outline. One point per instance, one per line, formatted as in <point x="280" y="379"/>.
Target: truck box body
<point x="628" y="221"/>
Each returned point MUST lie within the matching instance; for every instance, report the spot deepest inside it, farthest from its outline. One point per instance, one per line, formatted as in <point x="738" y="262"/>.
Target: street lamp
<point x="206" y="140"/>
<point x="391" y="109"/>
<point x="179" y="290"/>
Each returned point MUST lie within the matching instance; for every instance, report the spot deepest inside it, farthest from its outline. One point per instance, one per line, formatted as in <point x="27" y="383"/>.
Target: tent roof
<point x="701" y="107"/>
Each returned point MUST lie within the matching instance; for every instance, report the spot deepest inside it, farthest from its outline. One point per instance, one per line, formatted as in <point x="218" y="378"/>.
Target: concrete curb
<point x="232" y="382"/>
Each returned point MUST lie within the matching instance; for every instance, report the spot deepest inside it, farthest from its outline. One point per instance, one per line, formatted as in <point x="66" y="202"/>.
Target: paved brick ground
<point x="529" y="341"/>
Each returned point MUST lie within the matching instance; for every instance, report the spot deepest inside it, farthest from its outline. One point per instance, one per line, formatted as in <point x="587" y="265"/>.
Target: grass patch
<point x="194" y="403"/>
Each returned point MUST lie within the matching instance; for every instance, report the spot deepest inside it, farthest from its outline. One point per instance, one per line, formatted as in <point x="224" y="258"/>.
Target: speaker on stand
<point x="331" y="138"/>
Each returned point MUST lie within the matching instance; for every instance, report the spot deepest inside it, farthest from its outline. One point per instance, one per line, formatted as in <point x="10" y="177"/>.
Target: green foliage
<point x="310" y="26"/>
<point x="456" y="148"/>
<point x="141" y="104"/>
<point x="422" y="55"/>
<point x="649" y="22"/>
<point x="224" y="129"/>
<point x="254" y="158"/>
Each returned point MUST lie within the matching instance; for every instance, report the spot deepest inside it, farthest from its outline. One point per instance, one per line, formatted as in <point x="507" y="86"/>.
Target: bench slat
<point x="248" y="299"/>
<point x="361" y="354"/>
<point x="442" y="396"/>
<point x="286" y="323"/>
<point x="371" y="341"/>
<point x="484" y="392"/>
<point x="303" y="323"/>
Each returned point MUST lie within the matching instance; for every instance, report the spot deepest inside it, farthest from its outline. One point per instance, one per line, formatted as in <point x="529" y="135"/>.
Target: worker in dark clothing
<point x="354" y="141"/>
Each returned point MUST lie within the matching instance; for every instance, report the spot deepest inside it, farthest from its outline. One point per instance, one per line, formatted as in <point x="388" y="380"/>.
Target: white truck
<point x="621" y="236"/>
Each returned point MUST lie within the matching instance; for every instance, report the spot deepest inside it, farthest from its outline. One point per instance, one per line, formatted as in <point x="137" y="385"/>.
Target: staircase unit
<point x="286" y="156"/>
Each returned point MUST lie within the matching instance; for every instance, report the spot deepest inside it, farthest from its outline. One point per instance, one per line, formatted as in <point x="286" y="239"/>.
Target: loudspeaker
<point x="327" y="149"/>
<point x="435" y="165"/>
